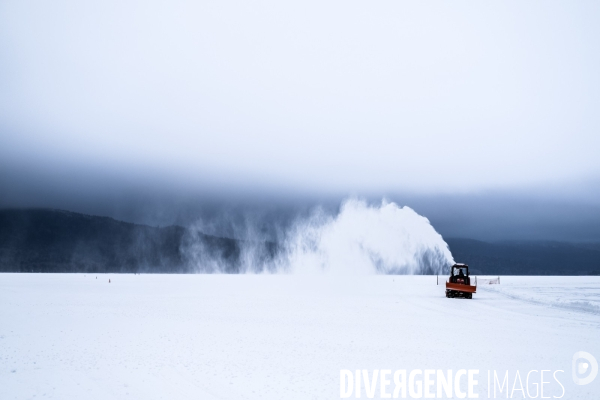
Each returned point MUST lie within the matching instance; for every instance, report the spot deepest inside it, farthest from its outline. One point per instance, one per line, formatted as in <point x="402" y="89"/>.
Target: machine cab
<point x="459" y="273"/>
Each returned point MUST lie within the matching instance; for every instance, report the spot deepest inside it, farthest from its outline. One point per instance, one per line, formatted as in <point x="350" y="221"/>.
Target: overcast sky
<point x="323" y="98"/>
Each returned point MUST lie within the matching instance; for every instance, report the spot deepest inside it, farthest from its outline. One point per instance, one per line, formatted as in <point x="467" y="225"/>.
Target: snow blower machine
<point x="459" y="283"/>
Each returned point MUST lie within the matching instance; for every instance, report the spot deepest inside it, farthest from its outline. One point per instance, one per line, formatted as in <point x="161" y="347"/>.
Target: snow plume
<point x="213" y="254"/>
<point x="365" y="239"/>
<point x="360" y="239"/>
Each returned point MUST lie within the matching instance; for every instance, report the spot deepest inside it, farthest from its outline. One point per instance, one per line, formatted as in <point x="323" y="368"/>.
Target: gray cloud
<point x="110" y="106"/>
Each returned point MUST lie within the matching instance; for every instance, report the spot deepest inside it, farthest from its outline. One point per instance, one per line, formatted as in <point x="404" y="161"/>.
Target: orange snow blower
<point x="459" y="283"/>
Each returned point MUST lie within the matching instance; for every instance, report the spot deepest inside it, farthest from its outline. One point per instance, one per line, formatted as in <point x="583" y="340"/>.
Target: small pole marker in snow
<point x="109" y="281"/>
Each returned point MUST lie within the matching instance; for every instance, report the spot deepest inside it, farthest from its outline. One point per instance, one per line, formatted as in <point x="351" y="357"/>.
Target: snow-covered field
<point x="75" y="336"/>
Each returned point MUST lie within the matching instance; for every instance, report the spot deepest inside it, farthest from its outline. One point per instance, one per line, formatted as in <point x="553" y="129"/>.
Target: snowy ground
<point x="70" y="336"/>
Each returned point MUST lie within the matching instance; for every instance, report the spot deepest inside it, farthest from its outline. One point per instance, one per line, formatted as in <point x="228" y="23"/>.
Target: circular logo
<point x="585" y="368"/>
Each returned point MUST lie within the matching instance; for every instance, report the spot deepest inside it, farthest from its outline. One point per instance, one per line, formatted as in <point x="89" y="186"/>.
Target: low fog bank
<point x="568" y="212"/>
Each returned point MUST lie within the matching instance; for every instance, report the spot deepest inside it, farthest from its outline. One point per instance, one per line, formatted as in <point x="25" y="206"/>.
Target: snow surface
<point x="70" y="336"/>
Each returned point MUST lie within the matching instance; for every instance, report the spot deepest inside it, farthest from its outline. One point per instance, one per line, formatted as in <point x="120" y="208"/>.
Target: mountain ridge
<point x="52" y="240"/>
